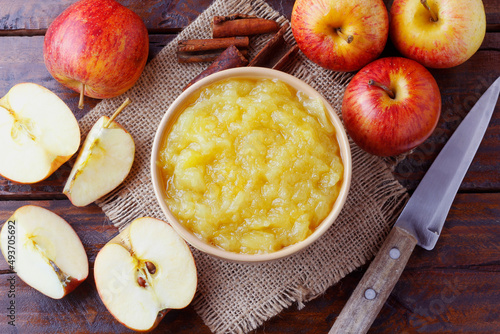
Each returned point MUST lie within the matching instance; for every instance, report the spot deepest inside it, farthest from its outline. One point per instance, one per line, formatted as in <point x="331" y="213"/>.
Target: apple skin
<point x="99" y="43"/>
<point x="386" y="126"/>
<point x="314" y="22"/>
<point x="450" y="41"/>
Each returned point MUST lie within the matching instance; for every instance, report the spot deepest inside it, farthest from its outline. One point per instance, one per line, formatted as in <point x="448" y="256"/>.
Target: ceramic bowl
<point x="177" y="107"/>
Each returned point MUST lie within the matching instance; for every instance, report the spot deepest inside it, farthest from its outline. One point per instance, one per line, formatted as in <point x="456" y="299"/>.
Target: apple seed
<point x="151" y="267"/>
<point x="141" y="281"/>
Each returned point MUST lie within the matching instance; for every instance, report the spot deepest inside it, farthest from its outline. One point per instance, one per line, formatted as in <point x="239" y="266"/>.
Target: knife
<point x="421" y="220"/>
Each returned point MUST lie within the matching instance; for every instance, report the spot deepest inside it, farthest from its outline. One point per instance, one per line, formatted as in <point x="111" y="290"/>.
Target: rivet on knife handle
<point x="380" y="278"/>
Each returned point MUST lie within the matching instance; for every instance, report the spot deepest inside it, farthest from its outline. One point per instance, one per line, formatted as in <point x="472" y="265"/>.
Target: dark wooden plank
<point x="434" y="294"/>
<point x="89" y="223"/>
<point x="21" y="60"/>
<point x="491" y="7"/>
<point x="81" y="310"/>
<point x="461" y="87"/>
<point x="32" y="17"/>
<point x="454" y="288"/>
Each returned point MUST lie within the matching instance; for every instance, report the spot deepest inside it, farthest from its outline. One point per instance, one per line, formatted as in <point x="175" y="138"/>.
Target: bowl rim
<point x="251" y="72"/>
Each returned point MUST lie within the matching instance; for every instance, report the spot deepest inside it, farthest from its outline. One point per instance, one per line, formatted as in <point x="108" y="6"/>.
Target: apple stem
<point x="119" y="110"/>
<point x="82" y="92"/>
<point x="347" y="38"/>
<point x="389" y="92"/>
<point x="434" y="17"/>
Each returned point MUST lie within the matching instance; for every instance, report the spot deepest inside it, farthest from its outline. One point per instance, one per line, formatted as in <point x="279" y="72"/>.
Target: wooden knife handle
<point x="377" y="283"/>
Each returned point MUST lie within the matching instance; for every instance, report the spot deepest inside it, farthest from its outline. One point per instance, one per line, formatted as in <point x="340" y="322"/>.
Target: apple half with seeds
<point x="146" y="270"/>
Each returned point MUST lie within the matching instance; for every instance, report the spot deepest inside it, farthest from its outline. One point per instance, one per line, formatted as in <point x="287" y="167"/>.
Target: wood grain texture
<point x="453" y="289"/>
<point x="380" y="278"/>
<point x="21" y="59"/>
<point x="32" y="17"/>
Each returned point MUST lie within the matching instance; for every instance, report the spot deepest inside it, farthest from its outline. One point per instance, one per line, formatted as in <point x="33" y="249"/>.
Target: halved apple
<point x="38" y="133"/>
<point x="143" y="272"/>
<point x="44" y="250"/>
<point x="104" y="161"/>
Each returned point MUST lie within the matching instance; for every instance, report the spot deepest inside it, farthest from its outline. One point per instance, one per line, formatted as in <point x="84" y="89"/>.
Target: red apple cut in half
<point x="391" y="106"/>
<point x="44" y="250"/>
<point x="146" y="270"/>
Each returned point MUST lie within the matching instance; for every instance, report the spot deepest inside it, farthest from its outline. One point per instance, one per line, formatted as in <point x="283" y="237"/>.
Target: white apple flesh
<point x="38" y="133"/>
<point x="44" y="250"/>
<point x="143" y="272"/>
<point x="104" y="161"/>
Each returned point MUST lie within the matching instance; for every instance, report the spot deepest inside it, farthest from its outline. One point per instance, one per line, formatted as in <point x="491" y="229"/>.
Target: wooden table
<point x="454" y="288"/>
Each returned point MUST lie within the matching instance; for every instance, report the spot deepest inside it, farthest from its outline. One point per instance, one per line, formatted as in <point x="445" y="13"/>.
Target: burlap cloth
<point x="236" y="298"/>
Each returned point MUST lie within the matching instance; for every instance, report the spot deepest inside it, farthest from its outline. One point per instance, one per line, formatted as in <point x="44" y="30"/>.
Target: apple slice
<point x="143" y="272"/>
<point x="104" y="161"/>
<point x="44" y="250"/>
<point x="38" y="133"/>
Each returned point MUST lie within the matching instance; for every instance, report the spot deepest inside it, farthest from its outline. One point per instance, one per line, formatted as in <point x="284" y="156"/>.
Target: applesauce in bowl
<point x="251" y="164"/>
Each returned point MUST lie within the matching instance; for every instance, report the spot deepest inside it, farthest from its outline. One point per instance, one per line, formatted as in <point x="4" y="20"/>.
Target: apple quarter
<point x="49" y="255"/>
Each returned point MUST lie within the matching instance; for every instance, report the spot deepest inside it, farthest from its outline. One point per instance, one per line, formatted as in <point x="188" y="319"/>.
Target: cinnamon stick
<point x="287" y="58"/>
<point x="276" y="53"/>
<point x="269" y="53"/>
<point x="202" y="56"/>
<point x="194" y="45"/>
<point x="231" y="57"/>
<point x="230" y="17"/>
<point x="241" y="25"/>
<point x="204" y="50"/>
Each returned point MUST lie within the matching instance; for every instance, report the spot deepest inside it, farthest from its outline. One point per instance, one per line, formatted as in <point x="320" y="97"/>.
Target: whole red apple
<point x="438" y="33"/>
<point x="391" y="106"/>
<point x="96" y="47"/>
<point x="340" y="35"/>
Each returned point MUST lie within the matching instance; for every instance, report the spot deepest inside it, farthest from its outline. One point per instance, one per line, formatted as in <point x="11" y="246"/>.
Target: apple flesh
<point x="342" y="35"/>
<point x="438" y="33"/>
<point x="391" y="106"/>
<point x="44" y="251"/>
<point x="103" y="162"/>
<point x="98" y="48"/>
<point x="143" y="272"/>
<point x="38" y="133"/>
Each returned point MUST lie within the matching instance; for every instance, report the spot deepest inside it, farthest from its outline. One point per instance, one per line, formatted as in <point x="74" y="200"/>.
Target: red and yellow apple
<point x="342" y="35"/>
<point x="96" y="47"/>
<point x="437" y="33"/>
<point x="391" y="106"/>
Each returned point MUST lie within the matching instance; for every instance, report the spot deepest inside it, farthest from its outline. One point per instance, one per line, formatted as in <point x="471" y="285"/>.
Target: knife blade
<point x="421" y="220"/>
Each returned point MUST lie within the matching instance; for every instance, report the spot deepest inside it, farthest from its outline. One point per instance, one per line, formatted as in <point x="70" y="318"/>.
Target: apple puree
<point x="251" y="165"/>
